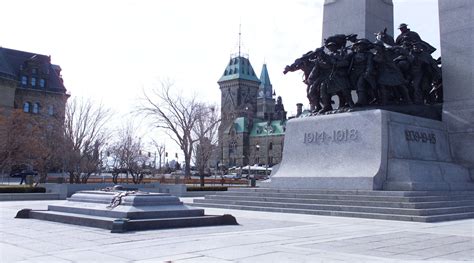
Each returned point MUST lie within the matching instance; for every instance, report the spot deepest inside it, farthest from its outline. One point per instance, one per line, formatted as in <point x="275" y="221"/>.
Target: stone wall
<point x="456" y="19"/>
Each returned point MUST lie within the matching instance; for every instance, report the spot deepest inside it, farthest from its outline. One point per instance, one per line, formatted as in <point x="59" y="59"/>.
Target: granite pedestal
<point x="122" y="211"/>
<point x="369" y="150"/>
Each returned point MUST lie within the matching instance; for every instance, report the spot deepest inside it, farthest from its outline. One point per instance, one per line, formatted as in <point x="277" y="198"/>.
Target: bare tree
<point x="176" y="115"/>
<point x="33" y="140"/>
<point x="85" y="136"/>
<point x="129" y="156"/>
<point x="160" y="150"/>
<point x="205" y="131"/>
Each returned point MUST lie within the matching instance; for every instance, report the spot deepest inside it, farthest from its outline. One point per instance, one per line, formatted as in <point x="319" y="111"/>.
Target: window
<point x="36" y="108"/>
<point x="26" y="107"/>
<point x="33" y="82"/>
<point x="50" y="110"/>
<point x="42" y="83"/>
<point x="24" y="80"/>
<point x="270" y="146"/>
<point x="33" y="71"/>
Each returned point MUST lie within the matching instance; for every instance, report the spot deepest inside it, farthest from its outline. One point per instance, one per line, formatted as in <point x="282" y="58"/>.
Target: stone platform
<point x="122" y="211"/>
<point x="369" y="150"/>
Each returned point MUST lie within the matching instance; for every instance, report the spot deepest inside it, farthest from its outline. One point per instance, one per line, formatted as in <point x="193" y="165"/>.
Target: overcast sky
<point x="110" y="50"/>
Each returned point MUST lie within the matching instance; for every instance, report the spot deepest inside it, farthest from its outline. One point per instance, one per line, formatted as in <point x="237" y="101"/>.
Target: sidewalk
<point x="260" y="237"/>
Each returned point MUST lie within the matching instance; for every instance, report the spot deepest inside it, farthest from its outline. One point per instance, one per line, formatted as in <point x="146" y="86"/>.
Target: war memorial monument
<point x="397" y="134"/>
<point x="391" y="129"/>
<point x="398" y="144"/>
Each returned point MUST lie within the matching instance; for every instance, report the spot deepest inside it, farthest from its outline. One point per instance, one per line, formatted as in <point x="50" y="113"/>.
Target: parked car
<point x="232" y="176"/>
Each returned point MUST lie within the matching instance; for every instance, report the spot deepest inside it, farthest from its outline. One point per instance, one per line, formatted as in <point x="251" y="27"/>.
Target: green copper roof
<point x="277" y="128"/>
<point x="240" y="125"/>
<point x="239" y="68"/>
<point x="265" y="88"/>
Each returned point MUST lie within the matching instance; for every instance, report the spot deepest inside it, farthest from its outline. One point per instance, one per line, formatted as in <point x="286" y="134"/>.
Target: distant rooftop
<point x="239" y="68"/>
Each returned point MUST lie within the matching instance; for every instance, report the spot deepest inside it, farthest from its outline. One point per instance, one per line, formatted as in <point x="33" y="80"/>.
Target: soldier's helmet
<point x="402" y="25"/>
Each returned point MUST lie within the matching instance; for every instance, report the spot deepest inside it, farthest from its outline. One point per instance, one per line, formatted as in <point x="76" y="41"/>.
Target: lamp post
<point x="268" y="128"/>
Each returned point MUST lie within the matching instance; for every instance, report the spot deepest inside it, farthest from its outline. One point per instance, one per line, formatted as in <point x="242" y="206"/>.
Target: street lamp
<point x="268" y="128"/>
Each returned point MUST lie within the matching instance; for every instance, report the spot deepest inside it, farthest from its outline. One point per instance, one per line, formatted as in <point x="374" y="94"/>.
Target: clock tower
<point x="239" y="87"/>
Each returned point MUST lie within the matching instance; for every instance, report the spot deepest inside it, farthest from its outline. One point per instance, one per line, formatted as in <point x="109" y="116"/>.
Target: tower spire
<point x="240" y="36"/>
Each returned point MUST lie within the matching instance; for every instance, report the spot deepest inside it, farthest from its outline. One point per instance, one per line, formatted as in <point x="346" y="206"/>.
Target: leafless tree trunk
<point x="33" y="140"/>
<point x="85" y="137"/>
<point x="129" y="155"/>
<point x="205" y="131"/>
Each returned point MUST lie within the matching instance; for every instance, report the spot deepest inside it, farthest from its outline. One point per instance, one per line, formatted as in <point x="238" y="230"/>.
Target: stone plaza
<point x="259" y="237"/>
<point x="333" y="192"/>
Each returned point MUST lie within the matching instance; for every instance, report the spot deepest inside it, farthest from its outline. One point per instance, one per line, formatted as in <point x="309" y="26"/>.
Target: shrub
<point x="206" y="188"/>
<point x="21" y="189"/>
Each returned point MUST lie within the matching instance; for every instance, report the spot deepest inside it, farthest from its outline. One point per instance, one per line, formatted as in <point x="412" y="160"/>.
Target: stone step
<point x="432" y="218"/>
<point x="428" y="198"/>
<point x="346" y="208"/>
<point x="118" y="225"/>
<point x="350" y="192"/>
<point x="391" y="204"/>
<point x="122" y="212"/>
<point x="82" y="220"/>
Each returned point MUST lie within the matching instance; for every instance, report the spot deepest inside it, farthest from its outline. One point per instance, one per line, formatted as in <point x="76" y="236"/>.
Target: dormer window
<point x="42" y="83"/>
<point x="33" y="82"/>
<point x="24" y="80"/>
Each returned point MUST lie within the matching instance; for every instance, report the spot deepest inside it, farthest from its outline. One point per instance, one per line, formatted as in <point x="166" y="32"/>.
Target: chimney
<point x="299" y="109"/>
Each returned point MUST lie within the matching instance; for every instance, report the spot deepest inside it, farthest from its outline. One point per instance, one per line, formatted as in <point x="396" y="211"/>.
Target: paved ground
<point x="260" y="237"/>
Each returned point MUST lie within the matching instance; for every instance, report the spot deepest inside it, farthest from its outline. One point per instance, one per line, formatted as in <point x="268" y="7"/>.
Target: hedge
<point x="206" y="188"/>
<point x="22" y="189"/>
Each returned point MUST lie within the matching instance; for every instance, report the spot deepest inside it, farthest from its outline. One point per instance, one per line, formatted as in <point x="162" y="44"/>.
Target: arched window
<point x="26" y="107"/>
<point x="50" y="110"/>
<point x="36" y="107"/>
<point x="24" y="80"/>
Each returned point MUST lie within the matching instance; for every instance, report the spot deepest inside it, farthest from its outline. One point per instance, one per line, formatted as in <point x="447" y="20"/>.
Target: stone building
<point x="29" y="81"/>
<point x="253" y="123"/>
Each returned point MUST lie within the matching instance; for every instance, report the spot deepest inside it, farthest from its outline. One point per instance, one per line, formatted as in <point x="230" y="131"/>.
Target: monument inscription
<point x="335" y="136"/>
<point x="420" y="136"/>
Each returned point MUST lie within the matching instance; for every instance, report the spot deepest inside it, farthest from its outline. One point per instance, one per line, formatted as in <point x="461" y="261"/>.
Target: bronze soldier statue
<point x="338" y="80"/>
<point x="389" y="77"/>
<point x="424" y="71"/>
<point x="361" y="72"/>
<point x="411" y="37"/>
